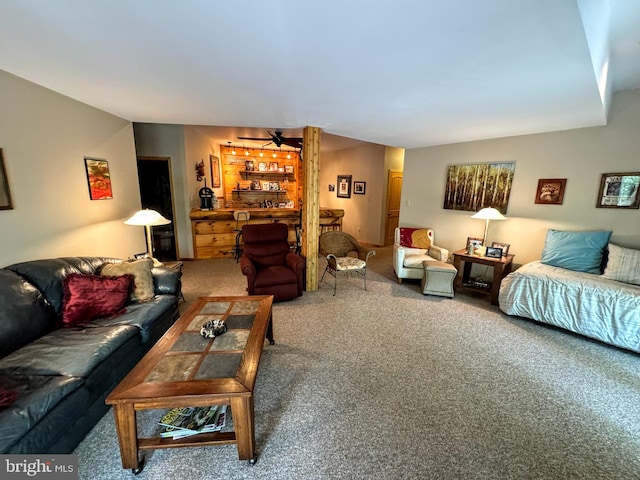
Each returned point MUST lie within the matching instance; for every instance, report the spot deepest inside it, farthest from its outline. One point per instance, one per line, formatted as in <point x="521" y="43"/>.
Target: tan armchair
<point x="337" y="247"/>
<point x="407" y="261"/>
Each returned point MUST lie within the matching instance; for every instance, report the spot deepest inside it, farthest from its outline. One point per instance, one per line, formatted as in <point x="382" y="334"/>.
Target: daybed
<point x="54" y="376"/>
<point x="604" y="306"/>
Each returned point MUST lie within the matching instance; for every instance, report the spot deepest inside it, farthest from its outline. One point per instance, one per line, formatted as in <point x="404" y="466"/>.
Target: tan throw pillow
<point x="623" y="265"/>
<point x="141" y="270"/>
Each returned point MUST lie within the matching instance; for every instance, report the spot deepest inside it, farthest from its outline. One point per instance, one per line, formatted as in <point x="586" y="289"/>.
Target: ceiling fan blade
<point x="254" y="138"/>
<point x="292" y="142"/>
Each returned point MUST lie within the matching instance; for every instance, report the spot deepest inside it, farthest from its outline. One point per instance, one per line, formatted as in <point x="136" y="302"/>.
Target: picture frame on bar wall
<point x="5" y="193"/>
<point x="344" y="186"/>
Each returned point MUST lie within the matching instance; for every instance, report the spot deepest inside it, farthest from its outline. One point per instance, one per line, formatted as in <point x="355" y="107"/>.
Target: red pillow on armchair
<point x="415" y="238"/>
<point x="86" y="297"/>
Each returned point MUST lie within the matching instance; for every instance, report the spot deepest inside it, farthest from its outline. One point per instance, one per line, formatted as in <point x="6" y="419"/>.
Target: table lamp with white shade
<point x="488" y="214"/>
<point x="147" y="218"/>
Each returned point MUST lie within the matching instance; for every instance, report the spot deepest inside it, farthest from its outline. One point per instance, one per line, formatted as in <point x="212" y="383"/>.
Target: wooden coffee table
<point x="186" y="370"/>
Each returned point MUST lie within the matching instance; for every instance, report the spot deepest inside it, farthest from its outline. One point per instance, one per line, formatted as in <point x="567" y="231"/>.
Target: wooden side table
<point x="501" y="267"/>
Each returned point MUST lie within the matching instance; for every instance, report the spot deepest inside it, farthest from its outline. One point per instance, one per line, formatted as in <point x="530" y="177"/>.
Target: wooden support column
<point x="310" y="203"/>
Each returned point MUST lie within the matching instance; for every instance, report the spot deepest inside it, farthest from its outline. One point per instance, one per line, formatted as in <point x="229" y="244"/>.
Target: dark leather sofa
<point x="62" y="375"/>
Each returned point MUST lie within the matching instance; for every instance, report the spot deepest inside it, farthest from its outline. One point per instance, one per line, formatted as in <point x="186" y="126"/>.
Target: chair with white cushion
<point x="407" y="260"/>
<point x="344" y="254"/>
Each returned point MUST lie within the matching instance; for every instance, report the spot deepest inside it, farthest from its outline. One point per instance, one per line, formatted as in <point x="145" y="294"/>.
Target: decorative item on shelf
<point x="147" y="218"/>
<point x="265" y="185"/>
<point x="288" y="169"/>
<point x="273" y="166"/>
<point x="248" y="165"/>
<point x="200" y="171"/>
<point x="255" y="185"/>
<point x="206" y="197"/>
<point x="488" y="214"/>
<point x="262" y="166"/>
<point x="213" y="328"/>
<point x="472" y="244"/>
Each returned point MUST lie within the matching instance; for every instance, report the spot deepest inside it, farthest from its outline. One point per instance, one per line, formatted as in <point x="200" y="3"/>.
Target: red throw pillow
<point x="86" y="297"/>
<point x="415" y="238"/>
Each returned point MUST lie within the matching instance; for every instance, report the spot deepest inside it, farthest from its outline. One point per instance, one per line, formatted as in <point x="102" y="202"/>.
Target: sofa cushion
<point x="86" y="297"/>
<point x="24" y="316"/>
<point x="415" y="238"/>
<point x="577" y="251"/>
<point x="37" y="396"/>
<point x="415" y="261"/>
<point x="623" y="265"/>
<point x="141" y="269"/>
<point x="143" y="316"/>
<point x="48" y="275"/>
<point x="67" y="351"/>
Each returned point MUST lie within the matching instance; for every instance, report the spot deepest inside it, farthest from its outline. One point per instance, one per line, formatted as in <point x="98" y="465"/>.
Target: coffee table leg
<point x="242" y="411"/>
<point x="270" y="330"/>
<point x="125" y="417"/>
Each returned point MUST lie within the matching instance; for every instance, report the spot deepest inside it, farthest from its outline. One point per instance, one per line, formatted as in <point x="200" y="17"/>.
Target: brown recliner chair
<point x="269" y="265"/>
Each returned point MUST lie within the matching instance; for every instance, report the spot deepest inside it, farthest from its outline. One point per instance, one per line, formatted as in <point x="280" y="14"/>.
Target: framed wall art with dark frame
<point x="214" y="167"/>
<point x="5" y="193"/>
<point x="98" y="178"/>
<point x="344" y="186"/>
<point x="359" y="188"/>
<point x="619" y="190"/>
<point x="550" y="191"/>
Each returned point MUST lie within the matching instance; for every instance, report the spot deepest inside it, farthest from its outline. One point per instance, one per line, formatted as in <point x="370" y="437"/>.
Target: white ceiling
<point x="405" y="73"/>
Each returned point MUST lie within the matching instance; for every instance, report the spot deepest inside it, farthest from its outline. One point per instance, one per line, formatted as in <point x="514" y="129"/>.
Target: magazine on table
<point x="185" y="421"/>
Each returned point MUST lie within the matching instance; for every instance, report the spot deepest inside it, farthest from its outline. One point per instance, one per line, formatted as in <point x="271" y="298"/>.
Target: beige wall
<point x="362" y="213"/>
<point x="45" y="137"/>
<point x="580" y="156"/>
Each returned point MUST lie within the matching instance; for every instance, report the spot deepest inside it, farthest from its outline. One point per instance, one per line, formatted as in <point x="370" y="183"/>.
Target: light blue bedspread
<point x="584" y="303"/>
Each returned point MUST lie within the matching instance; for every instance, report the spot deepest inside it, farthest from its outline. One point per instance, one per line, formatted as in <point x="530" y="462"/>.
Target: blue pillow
<point x="578" y="251"/>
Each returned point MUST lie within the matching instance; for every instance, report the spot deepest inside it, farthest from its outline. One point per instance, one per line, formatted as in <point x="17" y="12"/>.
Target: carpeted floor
<point x="390" y="384"/>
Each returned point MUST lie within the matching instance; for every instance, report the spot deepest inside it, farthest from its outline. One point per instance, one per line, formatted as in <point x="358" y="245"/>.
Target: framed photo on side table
<point x="503" y="246"/>
<point x="473" y="242"/>
<point x="494" y="252"/>
<point x="619" y="190"/>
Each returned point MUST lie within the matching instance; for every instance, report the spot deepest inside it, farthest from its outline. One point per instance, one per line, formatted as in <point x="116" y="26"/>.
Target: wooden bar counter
<point x="214" y="235"/>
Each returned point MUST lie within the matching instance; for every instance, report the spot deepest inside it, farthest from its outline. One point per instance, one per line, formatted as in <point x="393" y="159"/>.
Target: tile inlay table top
<point x="184" y="369"/>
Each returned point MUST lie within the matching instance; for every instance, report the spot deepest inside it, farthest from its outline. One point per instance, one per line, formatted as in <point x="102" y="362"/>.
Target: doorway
<point x="394" y="192"/>
<point x="156" y="193"/>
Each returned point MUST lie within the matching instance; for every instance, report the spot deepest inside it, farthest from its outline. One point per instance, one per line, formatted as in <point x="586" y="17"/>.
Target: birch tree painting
<point x="475" y="186"/>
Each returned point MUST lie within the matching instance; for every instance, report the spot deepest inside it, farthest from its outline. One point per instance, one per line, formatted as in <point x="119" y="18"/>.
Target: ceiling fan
<point x="278" y="139"/>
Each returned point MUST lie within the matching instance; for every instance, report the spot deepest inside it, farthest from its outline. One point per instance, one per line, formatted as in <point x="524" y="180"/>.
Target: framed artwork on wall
<point x="98" y="178"/>
<point x="5" y="193"/>
<point x="619" y="190"/>
<point x="550" y="191"/>
<point x="359" y="187"/>
<point x="344" y="186"/>
<point x="214" y="167"/>
<point x="475" y="186"/>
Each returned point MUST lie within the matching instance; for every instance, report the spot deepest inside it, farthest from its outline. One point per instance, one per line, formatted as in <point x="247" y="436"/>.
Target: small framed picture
<point x="493" y="252"/>
<point x="269" y="204"/>
<point x="344" y="186"/>
<point x="332" y="188"/>
<point x="619" y="190"/>
<point x="273" y="166"/>
<point x="274" y="186"/>
<point x="288" y="169"/>
<point x="472" y="244"/>
<point x="255" y="185"/>
<point x="503" y="246"/>
<point x="262" y="166"/>
<point x="248" y="165"/>
<point x="265" y="185"/>
<point x="359" y="187"/>
<point x="550" y="191"/>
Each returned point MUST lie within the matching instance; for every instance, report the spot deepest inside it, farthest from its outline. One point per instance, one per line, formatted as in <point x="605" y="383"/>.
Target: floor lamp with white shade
<point x="147" y="218"/>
